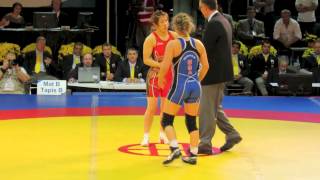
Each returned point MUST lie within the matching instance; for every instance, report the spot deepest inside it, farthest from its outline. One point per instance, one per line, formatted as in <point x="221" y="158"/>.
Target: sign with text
<point x="51" y="87"/>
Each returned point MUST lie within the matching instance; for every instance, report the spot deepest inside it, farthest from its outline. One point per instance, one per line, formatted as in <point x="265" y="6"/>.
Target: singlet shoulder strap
<point x="159" y="39"/>
<point x="156" y="35"/>
<point x="183" y="43"/>
<point x="193" y="43"/>
<point x="171" y="35"/>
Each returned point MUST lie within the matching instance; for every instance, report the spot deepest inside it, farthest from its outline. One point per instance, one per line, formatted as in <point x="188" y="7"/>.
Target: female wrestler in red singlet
<point x="153" y="52"/>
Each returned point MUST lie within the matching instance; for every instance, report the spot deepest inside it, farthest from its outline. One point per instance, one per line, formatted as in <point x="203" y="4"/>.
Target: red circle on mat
<point x="153" y="149"/>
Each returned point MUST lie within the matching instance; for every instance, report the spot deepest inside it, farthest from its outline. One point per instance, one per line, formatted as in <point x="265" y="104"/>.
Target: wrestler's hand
<point x="155" y="69"/>
<point x="159" y="58"/>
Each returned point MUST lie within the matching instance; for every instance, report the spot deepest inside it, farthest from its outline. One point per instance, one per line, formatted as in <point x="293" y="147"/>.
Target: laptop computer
<point x="297" y="83"/>
<point x="89" y="74"/>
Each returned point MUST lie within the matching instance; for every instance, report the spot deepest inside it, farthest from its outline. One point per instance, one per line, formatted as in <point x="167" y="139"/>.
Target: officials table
<point x="107" y="86"/>
<point x="315" y="88"/>
<point x="314" y="85"/>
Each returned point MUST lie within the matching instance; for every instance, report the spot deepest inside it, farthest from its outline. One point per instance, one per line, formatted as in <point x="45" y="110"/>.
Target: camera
<point x="14" y="62"/>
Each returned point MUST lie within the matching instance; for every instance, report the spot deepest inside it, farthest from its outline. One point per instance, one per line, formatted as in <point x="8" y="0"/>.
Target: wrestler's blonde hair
<point x="183" y="23"/>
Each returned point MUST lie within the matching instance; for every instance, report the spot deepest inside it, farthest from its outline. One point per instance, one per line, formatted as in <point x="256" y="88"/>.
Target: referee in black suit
<point x="217" y="40"/>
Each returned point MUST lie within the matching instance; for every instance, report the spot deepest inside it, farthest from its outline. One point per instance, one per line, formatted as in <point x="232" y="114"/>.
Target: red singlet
<point x="152" y="80"/>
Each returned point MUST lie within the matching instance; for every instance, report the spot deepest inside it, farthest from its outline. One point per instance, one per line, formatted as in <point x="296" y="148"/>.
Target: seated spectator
<point x="108" y="62"/>
<point x="261" y="65"/>
<point x="310" y="40"/>
<point x="86" y="62"/>
<point x="250" y="30"/>
<point x="131" y="70"/>
<point x="12" y="76"/>
<point x="69" y="62"/>
<point x="62" y="17"/>
<point x="240" y="69"/>
<point x="14" y="18"/>
<point x="286" y="30"/>
<point x="39" y="63"/>
<point x="273" y="76"/>
<point x="306" y="14"/>
<point x="312" y="63"/>
<point x="265" y="13"/>
<point x="283" y="63"/>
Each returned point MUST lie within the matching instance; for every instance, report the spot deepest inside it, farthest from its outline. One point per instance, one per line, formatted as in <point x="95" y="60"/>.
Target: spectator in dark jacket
<point x="240" y="69"/>
<point x="131" y="70"/>
<point x="312" y="63"/>
<point x="261" y="65"/>
<point x="108" y="62"/>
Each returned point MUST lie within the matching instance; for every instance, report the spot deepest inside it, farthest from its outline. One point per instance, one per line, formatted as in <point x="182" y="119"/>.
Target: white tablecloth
<point x="110" y="85"/>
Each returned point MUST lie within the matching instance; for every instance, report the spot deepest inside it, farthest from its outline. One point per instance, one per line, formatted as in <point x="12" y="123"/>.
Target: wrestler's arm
<point x="147" y="52"/>
<point x="203" y="59"/>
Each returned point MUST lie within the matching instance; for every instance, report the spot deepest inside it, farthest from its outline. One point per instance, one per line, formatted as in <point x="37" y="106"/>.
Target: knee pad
<point x="167" y="120"/>
<point x="191" y="123"/>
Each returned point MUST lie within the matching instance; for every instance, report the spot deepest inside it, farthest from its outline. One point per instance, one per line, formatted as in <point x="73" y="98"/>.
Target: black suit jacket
<point x="244" y="65"/>
<point x="311" y="65"/>
<point x="115" y="61"/>
<point x="29" y="63"/>
<point x="259" y="65"/>
<point x="65" y="65"/>
<point x="217" y="40"/>
<point x="123" y="71"/>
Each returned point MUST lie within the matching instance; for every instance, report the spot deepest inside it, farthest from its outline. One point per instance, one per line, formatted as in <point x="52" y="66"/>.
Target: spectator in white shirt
<point x="12" y="76"/>
<point x="306" y="14"/>
<point x="286" y="30"/>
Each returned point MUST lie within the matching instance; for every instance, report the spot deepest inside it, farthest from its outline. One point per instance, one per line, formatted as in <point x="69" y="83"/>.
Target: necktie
<point x="235" y="66"/>
<point x="318" y="60"/>
<point x="266" y="56"/>
<point x="251" y="24"/>
<point x="108" y="66"/>
<point x="132" y="71"/>
<point x="76" y="60"/>
<point x="37" y="68"/>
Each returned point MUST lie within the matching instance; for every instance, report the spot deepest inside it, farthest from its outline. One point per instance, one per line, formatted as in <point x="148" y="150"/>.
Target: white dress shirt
<point x="74" y="63"/>
<point x="308" y="16"/>
<point x="213" y="13"/>
<point x="287" y="33"/>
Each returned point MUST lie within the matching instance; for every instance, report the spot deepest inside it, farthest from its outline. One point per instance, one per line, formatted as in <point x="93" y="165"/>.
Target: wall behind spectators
<point x="99" y="18"/>
<point x="46" y="3"/>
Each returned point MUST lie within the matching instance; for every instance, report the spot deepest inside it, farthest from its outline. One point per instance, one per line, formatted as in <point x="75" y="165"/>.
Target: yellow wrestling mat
<point x="82" y="148"/>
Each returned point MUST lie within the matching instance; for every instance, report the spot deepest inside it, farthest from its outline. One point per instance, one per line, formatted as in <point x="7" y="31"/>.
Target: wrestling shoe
<point x="175" y="153"/>
<point x="190" y="159"/>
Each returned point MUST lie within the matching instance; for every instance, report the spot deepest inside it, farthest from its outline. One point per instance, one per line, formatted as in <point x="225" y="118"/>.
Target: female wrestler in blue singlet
<point x="190" y="62"/>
